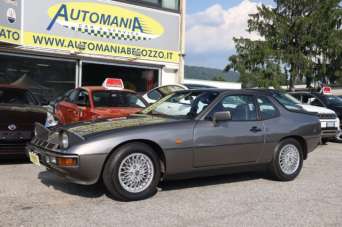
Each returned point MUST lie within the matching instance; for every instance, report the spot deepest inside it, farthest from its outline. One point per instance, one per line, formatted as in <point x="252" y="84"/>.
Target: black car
<point x="320" y="99"/>
<point x="19" y="110"/>
<point x="197" y="86"/>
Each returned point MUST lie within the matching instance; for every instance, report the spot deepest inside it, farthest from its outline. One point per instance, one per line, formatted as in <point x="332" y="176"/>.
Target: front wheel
<point x="287" y="161"/>
<point x="324" y="141"/>
<point x="132" y="172"/>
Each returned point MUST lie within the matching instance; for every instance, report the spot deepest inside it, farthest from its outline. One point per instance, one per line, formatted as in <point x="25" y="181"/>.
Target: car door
<point x="237" y="141"/>
<point x="83" y="111"/>
<point x="67" y="110"/>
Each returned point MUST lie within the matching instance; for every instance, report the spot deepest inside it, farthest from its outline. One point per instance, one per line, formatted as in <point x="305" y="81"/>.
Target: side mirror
<point x="221" y="116"/>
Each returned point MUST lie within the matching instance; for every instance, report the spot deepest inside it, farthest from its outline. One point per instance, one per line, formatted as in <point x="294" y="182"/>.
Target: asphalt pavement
<point x="30" y="196"/>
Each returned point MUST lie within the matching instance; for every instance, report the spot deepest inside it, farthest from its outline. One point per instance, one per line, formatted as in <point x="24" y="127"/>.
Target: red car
<point x="91" y="103"/>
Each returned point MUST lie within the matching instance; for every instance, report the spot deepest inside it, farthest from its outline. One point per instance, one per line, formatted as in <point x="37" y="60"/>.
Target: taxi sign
<point x="327" y="90"/>
<point x="113" y="83"/>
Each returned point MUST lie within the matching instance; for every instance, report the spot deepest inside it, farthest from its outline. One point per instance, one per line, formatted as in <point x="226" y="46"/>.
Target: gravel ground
<point x="30" y="196"/>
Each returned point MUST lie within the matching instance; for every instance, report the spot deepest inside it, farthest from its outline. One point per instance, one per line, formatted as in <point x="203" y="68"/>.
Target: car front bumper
<point x="87" y="171"/>
<point x="12" y="149"/>
<point x="329" y="133"/>
<point x="330" y="128"/>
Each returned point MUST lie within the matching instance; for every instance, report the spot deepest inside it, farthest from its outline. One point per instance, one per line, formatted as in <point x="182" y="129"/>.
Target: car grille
<point x="327" y="116"/>
<point x="7" y="148"/>
<point x="15" y="135"/>
<point x="44" y="144"/>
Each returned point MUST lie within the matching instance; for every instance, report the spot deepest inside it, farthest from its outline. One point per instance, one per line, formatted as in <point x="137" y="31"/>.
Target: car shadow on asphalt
<point x="99" y="190"/>
<point x="60" y="184"/>
<point x="209" y="181"/>
<point x="14" y="161"/>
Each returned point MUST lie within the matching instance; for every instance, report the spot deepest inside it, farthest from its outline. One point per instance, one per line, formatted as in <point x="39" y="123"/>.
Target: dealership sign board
<point x="10" y="21"/>
<point x="100" y="28"/>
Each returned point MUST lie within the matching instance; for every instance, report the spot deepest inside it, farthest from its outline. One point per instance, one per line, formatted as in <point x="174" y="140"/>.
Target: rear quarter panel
<point x="290" y="124"/>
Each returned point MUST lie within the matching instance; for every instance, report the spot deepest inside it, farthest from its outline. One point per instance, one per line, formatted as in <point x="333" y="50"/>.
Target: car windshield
<point x="334" y="100"/>
<point x="187" y="104"/>
<point x="288" y="101"/>
<point x="16" y="96"/>
<point x="117" y="99"/>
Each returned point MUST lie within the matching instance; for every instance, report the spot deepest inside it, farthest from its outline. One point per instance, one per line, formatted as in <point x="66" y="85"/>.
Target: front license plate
<point x="323" y="124"/>
<point x="34" y="158"/>
<point x="330" y="124"/>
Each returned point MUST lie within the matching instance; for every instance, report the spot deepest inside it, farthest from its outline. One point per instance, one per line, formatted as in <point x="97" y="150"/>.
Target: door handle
<point x="255" y="129"/>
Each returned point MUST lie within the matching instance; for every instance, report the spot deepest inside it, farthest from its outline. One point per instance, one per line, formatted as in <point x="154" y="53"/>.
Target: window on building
<point x="170" y="4"/>
<point x="152" y="1"/>
<point x="136" y="79"/>
<point x="45" y="78"/>
<point x="165" y="4"/>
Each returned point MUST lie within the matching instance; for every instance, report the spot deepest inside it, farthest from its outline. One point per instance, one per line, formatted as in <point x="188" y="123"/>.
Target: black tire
<point x="324" y="141"/>
<point x="275" y="167"/>
<point x="111" y="172"/>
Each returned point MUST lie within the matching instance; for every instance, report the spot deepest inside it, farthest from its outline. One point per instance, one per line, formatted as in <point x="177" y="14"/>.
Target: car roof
<point x="100" y="88"/>
<point x="267" y="92"/>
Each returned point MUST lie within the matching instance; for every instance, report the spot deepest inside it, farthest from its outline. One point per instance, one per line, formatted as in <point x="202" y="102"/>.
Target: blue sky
<point x="211" y="26"/>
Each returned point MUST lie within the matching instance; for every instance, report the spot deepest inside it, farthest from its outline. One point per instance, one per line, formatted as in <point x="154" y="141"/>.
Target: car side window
<point x="154" y="95"/>
<point x="135" y="101"/>
<point x="82" y="99"/>
<point x="31" y="99"/>
<point x="73" y="96"/>
<point x="316" y="102"/>
<point x="267" y="109"/>
<point x="241" y="107"/>
<point x="305" y="99"/>
<point x="297" y="96"/>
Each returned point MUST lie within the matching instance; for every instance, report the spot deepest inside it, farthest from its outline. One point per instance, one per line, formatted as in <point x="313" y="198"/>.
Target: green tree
<point x="297" y="40"/>
<point x="219" y="78"/>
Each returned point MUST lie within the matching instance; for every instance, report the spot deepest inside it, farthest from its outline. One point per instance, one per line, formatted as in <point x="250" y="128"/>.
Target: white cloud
<point x="213" y="30"/>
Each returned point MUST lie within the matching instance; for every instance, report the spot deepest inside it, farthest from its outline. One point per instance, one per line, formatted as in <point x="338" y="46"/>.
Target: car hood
<point x="23" y="117"/>
<point x="337" y="109"/>
<point x="88" y="128"/>
<point x="317" y="109"/>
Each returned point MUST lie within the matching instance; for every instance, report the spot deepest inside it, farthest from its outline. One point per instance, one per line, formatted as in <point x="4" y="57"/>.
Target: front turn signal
<point x="67" y="162"/>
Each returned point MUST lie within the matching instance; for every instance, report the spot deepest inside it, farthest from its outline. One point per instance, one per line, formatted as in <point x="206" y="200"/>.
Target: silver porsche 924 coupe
<point x="186" y="134"/>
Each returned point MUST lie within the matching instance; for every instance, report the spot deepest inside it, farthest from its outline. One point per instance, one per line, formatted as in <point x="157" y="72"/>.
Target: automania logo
<point x="103" y="20"/>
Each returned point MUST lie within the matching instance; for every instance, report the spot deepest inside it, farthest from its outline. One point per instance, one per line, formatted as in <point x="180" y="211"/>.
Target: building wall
<point x="171" y="72"/>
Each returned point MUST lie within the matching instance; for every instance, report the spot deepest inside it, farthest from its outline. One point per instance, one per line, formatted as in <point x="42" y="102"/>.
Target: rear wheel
<point x="132" y="172"/>
<point x="287" y="161"/>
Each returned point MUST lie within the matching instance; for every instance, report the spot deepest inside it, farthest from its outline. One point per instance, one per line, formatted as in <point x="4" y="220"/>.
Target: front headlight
<point x="35" y="133"/>
<point x="50" y="120"/>
<point x="64" y="140"/>
<point x="338" y="123"/>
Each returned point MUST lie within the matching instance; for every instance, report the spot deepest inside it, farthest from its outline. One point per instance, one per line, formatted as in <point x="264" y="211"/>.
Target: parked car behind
<point x="19" y="110"/>
<point x="190" y="133"/>
<point x="96" y="102"/>
<point x="327" y="101"/>
<point x="197" y="86"/>
<point x="158" y="93"/>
